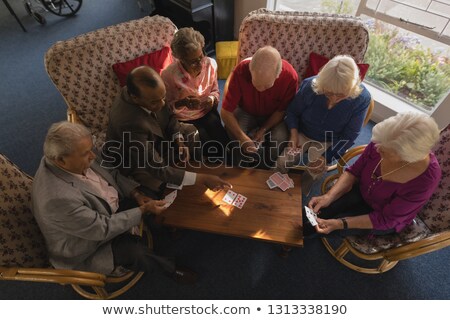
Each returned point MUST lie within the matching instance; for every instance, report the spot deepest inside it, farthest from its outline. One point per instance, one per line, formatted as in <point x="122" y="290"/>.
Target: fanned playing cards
<point x="170" y="198"/>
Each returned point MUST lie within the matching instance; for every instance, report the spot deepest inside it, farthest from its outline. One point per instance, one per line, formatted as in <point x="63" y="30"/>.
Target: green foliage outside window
<point x="399" y="63"/>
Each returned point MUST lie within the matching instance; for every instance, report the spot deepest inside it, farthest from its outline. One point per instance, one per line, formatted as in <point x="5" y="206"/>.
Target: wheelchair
<point x="63" y="8"/>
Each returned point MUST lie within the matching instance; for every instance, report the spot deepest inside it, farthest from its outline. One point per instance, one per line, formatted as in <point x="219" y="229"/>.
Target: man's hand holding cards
<point x="170" y="198"/>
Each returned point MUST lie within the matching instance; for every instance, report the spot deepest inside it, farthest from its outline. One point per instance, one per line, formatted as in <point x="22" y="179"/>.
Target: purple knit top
<point x="394" y="204"/>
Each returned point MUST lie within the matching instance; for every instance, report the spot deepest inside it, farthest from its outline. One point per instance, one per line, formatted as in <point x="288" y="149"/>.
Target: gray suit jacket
<point x="76" y="222"/>
<point x="133" y="137"/>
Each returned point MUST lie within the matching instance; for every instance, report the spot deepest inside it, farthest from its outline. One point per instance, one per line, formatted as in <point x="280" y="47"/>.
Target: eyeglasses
<point x="335" y="95"/>
<point x="196" y="62"/>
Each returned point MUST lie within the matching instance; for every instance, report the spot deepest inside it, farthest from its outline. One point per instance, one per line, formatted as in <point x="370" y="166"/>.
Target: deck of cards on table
<point x="235" y="199"/>
<point x="280" y="180"/>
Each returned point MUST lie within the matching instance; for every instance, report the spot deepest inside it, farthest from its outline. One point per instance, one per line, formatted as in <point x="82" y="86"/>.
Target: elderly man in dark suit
<point x="141" y="127"/>
<point x="78" y="206"/>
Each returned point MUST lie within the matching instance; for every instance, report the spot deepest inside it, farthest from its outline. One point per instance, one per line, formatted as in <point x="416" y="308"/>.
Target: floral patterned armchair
<point x="429" y="231"/>
<point x="81" y="67"/>
<point x="23" y="252"/>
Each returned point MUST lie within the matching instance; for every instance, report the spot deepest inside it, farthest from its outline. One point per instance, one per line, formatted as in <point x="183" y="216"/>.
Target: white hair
<point x="61" y="139"/>
<point x="340" y="76"/>
<point x="410" y="135"/>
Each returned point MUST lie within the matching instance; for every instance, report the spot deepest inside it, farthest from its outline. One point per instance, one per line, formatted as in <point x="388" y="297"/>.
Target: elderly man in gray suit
<point x="77" y="205"/>
<point x="140" y="125"/>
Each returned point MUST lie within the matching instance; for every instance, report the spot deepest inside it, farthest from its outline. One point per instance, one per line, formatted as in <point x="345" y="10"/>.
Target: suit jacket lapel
<point x="154" y="124"/>
<point x="73" y="180"/>
<point x="152" y="117"/>
<point x="98" y="169"/>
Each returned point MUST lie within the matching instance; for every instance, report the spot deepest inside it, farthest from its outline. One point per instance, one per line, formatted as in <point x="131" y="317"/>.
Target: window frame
<point x="387" y="104"/>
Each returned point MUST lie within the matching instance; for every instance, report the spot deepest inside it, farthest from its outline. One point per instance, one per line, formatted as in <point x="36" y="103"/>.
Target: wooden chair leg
<point x="386" y="265"/>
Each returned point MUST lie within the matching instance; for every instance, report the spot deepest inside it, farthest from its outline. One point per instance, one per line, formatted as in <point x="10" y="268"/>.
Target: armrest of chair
<point x="72" y="116"/>
<point x="369" y="112"/>
<point x="348" y="155"/>
<point x="53" y="275"/>
<point x="429" y="244"/>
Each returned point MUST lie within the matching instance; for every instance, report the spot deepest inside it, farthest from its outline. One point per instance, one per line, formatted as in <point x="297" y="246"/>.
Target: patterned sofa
<point x="296" y="34"/>
<point x="81" y="68"/>
<point x="428" y="232"/>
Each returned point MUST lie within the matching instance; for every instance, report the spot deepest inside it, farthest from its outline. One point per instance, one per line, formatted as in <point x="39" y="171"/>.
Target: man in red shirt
<point x="259" y="92"/>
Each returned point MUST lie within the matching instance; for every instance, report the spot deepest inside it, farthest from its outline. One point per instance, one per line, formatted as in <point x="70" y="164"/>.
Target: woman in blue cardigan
<point x="325" y="118"/>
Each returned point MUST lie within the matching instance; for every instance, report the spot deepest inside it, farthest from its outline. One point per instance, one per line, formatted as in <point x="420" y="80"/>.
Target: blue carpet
<point x="30" y="101"/>
<point x="229" y="268"/>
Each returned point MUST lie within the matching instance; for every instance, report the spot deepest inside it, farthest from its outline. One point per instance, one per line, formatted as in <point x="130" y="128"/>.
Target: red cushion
<point x="316" y="61"/>
<point x="158" y="60"/>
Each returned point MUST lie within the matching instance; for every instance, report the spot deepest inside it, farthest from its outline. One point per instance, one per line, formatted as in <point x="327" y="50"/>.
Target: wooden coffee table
<point x="269" y="215"/>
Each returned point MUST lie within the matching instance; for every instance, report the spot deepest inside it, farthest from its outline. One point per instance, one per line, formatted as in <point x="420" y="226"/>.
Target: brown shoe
<point x="184" y="275"/>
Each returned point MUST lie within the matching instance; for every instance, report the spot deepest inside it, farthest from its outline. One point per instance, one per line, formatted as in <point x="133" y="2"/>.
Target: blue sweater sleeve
<point x="296" y="106"/>
<point x="345" y="140"/>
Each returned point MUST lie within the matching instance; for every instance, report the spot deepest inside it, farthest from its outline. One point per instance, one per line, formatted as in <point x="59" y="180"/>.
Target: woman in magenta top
<point x="192" y="88"/>
<point x="386" y="187"/>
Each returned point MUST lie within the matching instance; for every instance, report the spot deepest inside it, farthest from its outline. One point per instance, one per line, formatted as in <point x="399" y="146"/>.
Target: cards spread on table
<point x="234" y="199"/>
<point x="229" y="197"/>
<point x="280" y="180"/>
<point x="170" y="198"/>
<point x="311" y="215"/>
<point x="271" y="184"/>
<point x="239" y="201"/>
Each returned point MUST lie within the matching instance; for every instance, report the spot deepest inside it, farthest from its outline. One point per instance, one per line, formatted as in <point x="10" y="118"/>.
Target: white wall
<point x="242" y="8"/>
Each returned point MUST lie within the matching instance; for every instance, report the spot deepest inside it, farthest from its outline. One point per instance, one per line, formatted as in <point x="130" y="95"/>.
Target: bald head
<point x="142" y="76"/>
<point x="265" y="67"/>
<point x="146" y="88"/>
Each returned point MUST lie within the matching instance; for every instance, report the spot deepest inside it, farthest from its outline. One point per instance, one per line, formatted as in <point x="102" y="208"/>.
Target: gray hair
<point x="62" y="137"/>
<point x="340" y="75"/>
<point x="410" y="135"/>
<point x="185" y="41"/>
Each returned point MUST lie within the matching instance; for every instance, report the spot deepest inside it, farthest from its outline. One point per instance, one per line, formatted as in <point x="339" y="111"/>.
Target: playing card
<point x="277" y="178"/>
<point x="170" y="198"/>
<point x="239" y="201"/>
<point x="288" y="180"/>
<point x="229" y="197"/>
<point x="311" y="215"/>
<point x="294" y="151"/>
<point x="271" y="184"/>
<point x="173" y="186"/>
<point x="284" y="185"/>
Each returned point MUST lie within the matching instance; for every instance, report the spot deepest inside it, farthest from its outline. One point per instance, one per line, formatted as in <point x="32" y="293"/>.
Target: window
<point x="409" y="49"/>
